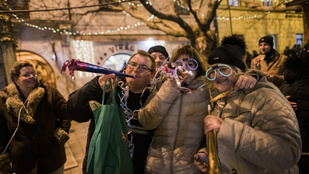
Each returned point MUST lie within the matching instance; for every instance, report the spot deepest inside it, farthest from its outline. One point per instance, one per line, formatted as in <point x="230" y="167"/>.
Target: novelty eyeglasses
<point x="140" y="66"/>
<point x="223" y="69"/>
<point x="191" y="63"/>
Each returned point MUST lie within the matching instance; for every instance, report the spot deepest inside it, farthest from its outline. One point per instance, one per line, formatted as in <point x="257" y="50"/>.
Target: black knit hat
<point x="158" y="48"/>
<point x="230" y="52"/>
<point x="268" y="39"/>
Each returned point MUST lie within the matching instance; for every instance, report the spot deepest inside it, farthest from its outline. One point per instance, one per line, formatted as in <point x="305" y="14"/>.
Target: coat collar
<point x="15" y="105"/>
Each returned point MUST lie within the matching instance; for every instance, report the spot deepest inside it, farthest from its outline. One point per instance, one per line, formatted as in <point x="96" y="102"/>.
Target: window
<point x="267" y="3"/>
<point x="299" y="39"/>
<point x="117" y="62"/>
<point x="275" y="40"/>
<point x="233" y="3"/>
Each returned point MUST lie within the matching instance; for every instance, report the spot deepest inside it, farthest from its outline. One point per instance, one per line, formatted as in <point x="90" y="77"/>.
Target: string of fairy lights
<point x="122" y="28"/>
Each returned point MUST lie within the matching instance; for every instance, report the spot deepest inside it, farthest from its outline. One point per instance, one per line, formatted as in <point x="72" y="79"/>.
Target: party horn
<point x="77" y="65"/>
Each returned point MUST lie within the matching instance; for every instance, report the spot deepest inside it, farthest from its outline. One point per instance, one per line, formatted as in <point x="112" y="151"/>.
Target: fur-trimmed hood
<point x="10" y="94"/>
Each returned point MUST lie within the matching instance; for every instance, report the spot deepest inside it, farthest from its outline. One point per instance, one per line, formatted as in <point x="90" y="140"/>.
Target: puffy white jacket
<point x="177" y="120"/>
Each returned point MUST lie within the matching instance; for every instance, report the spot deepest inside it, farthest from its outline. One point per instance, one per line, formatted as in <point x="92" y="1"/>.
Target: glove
<point x="4" y="160"/>
<point x="61" y="135"/>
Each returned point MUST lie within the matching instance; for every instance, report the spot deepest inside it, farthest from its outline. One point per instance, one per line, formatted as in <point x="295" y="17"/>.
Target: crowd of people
<point x="257" y="110"/>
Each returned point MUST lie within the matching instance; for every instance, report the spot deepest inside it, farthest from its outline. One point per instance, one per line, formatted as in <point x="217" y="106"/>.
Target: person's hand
<point x="212" y="123"/>
<point x="271" y="78"/>
<point x="245" y="82"/>
<point x="256" y="60"/>
<point x="104" y="78"/>
<point x="294" y="104"/>
<point x="183" y="76"/>
<point x="201" y="161"/>
<point x="171" y="82"/>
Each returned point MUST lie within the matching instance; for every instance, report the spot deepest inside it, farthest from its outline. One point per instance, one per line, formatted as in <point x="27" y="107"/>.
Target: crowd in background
<point x="259" y="112"/>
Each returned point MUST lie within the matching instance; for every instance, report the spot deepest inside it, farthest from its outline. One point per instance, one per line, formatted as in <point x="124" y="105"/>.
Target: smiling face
<point x="141" y="77"/>
<point x="225" y="83"/>
<point x="27" y="79"/>
<point x="264" y="47"/>
<point x="159" y="58"/>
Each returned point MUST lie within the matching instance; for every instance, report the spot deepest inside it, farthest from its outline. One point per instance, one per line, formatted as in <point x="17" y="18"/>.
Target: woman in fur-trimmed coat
<point x="38" y="115"/>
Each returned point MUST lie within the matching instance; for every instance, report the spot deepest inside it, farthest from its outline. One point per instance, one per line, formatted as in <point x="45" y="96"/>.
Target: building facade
<point x="111" y="37"/>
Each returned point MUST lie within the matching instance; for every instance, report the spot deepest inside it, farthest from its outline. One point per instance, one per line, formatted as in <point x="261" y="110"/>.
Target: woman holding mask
<point x="37" y="123"/>
<point x="176" y="114"/>
<point x="257" y="128"/>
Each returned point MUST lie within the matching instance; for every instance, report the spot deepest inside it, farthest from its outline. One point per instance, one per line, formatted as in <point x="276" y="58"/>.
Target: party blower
<point x="77" y="65"/>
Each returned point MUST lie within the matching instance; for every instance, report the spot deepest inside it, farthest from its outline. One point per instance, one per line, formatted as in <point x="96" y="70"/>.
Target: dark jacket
<point x="300" y="94"/>
<point x="79" y="110"/>
<point x="35" y="141"/>
<point x="297" y="77"/>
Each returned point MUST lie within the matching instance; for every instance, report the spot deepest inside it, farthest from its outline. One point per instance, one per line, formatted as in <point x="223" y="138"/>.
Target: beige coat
<point x="259" y="133"/>
<point x="177" y="120"/>
<point x="274" y="66"/>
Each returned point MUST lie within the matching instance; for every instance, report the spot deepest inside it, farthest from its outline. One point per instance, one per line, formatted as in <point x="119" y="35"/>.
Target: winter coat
<point x="272" y="64"/>
<point x="299" y="92"/>
<point x="177" y="120"/>
<point x="35" y="140"/>
<point x="79" y="110"/>
<point x="259" y="133"/>
<point x="4" y="138"/>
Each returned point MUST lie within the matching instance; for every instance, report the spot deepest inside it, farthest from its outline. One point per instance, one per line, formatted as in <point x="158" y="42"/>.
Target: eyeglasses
<point x="140" y="66"/>
<point x="223" y="69"/>
<point x="27" y="75"/>
<point x="191" y="63"/>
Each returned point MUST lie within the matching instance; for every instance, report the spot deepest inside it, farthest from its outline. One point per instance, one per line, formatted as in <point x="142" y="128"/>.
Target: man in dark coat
<point x="142" y="66"/>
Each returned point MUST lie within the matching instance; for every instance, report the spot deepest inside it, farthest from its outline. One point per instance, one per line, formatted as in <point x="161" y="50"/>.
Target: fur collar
<point x="13" y="103"/>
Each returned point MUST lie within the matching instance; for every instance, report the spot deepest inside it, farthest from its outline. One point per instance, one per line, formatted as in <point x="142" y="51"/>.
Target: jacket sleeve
<point x="78" y="108"/>
<point x="153" y="113"/>
<point x="60" y="107"/>
<point x="270" y="139"/>
<point x="4" y="135"/>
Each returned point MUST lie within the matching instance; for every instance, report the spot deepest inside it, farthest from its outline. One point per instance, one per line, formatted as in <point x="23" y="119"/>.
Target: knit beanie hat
<point x="230" y="52"/>
<point x="158" y="48"/>
<point x="268" y="39"/>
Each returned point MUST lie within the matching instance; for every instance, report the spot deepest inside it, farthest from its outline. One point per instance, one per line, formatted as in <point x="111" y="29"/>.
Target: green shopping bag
<point x="108" y="152"/>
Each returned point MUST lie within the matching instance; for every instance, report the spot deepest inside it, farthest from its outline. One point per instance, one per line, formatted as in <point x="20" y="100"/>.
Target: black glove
<point x="61" y="135"/>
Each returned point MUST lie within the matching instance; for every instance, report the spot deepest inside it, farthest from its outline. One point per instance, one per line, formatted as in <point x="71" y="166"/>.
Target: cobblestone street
<point x="75" y="148"/>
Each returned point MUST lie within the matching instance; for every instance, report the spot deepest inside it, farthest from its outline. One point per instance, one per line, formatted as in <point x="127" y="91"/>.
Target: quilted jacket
<point x="177" y="120"/>
<point x="260" y="132"/>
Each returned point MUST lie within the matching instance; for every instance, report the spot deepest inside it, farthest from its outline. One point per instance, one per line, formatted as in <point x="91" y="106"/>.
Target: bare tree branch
<point x="170" y="17"/>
